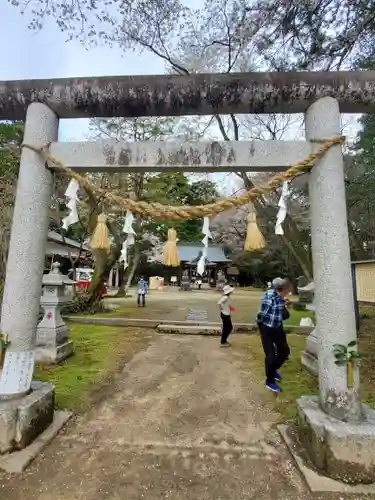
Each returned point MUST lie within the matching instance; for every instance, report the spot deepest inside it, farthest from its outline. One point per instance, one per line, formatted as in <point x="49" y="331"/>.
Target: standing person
<point x="142" y="292"/>
<point x="270" y="321"/>
<point x="225" y="305"/>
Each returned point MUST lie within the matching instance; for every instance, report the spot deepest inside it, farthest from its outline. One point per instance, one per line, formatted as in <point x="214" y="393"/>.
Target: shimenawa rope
<point x="185" y="212"/>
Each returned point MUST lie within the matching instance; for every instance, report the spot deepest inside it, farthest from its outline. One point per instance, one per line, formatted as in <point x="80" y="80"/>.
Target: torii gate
<point x="321" y="96"/>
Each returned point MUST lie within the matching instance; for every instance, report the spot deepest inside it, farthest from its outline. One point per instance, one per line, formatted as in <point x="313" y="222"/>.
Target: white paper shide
<point x="130" y="237"/>
<point x="71" y="194"/>
<point x="285" y="192"/>
<point x="207" y="235"/>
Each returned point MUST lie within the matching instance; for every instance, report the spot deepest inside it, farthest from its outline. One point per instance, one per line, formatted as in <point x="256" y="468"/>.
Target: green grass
<point x="108" y="313"/>
<point x="247" y="308"/>
<point x="100" y="351"/>
<point x="298" y="382"/>
<point x="366" y="347"/>
<point x="296" y="316"/>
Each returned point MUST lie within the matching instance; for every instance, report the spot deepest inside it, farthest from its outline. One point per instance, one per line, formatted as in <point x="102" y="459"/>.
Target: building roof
<point x="190" y="252"/>
<point x="57" y="238"/>
<point x="57" y="245"/>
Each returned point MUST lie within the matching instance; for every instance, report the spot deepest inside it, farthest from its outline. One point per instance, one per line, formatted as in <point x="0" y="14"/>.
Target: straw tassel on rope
<point x="254" y="238"/>
<point x="100" y="237"/>
<point x="171" y="257"/>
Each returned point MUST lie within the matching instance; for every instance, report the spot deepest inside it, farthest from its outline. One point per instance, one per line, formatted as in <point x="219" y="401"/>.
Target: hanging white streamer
<point x="128" y="224"/>
<point x="124" y="254"/>
<point x="207" y="235"/>
<point x="72" y="194"/>
<point x="282" y="208"/>
<point x="130" y="239"/>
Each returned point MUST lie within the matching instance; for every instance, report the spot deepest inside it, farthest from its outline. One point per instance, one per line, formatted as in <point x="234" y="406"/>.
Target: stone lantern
<point x="309" y="357"/>
<point x="52" y="337"/>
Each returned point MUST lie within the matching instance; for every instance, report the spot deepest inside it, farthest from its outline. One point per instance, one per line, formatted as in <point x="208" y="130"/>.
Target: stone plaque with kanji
<point x="17" y="372"/>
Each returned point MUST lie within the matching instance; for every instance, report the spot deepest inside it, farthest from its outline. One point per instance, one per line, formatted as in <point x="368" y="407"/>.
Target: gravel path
<point x="186" y="422"/>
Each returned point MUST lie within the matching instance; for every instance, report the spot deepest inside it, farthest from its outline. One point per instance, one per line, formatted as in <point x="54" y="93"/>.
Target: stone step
<point x="190" y="329"/>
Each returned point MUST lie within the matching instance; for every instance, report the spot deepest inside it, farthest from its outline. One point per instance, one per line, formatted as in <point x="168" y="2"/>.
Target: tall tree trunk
<point x="133" y="267"/>
<point x="121" y="292"/>
<point x="103" y="265"/>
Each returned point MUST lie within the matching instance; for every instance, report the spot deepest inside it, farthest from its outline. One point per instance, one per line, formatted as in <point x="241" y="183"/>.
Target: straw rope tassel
<point x="100" y="237"/>
<point x="171" y="257"/>
<point x="254" y="238"/>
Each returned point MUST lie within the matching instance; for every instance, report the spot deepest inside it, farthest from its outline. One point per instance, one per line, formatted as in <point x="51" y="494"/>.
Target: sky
<point x="46" y="54"/>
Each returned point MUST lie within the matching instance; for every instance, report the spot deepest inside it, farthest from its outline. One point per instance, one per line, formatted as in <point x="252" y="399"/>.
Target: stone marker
<point x="17" y="373"/>
<point x="52" y="335"/>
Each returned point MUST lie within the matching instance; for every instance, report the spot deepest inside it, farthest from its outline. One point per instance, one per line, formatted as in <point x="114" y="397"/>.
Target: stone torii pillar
<point x="336" y="429"/>
<point x="331" y="260"/>
<point x="31" y="409"/>
<point x="27" y="248"/>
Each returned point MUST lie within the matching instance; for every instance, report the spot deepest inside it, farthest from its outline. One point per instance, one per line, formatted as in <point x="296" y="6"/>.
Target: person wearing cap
<point x="142" y="292"/>
<point x="225" y="305"/>
<point x="270" y="321"/>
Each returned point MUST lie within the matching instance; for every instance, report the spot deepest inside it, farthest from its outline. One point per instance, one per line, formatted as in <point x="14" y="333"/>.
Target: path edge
<point x="18" y="461"/>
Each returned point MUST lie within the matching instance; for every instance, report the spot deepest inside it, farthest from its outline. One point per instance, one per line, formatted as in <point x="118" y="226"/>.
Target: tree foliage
<point x="10" y="139"/>
<point x="281" y="34"/>
<point x="360" y="180"/>
<point x="240" y="35"/>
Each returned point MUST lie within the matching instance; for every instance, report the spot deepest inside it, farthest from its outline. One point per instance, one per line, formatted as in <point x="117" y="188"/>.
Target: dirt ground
<point x="186" y="420"/>
<point x="173" y="305"/>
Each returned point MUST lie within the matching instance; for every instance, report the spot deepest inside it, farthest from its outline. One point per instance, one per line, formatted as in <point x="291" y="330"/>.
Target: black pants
<point x="275" y="348"/>
<point x="141" y="298"/>
<point x="227" y="327"/>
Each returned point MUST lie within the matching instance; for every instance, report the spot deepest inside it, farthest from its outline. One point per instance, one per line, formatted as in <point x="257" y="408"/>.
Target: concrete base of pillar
<point x="310" y="362"/>
<point x="309" y="357"/>
<point x="18" y="461"/>
<point x="23" y="419"/>
<point x="340" y="450"/>
<point x="53" y="355"/>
